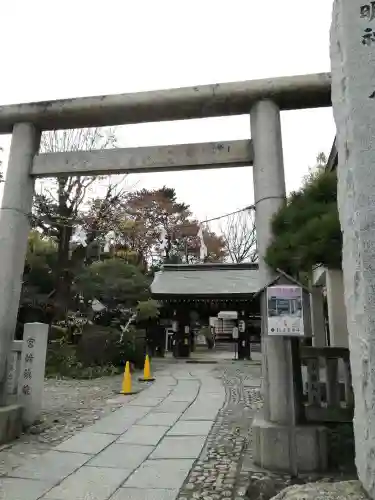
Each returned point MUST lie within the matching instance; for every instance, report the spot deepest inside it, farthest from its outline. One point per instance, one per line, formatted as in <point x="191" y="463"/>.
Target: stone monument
<point x="353" y="100"/>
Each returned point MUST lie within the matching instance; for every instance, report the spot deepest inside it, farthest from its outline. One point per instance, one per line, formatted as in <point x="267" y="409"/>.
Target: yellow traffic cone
<point x="147" y="377"/>
<point x="126" y="387"/>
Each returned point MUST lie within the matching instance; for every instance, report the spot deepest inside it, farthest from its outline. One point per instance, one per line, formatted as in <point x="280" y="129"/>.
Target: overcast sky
<point x="57" y="49"/>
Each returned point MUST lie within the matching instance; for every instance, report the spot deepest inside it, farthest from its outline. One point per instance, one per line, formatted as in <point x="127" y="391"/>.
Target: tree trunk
<point x="63" y="271"/>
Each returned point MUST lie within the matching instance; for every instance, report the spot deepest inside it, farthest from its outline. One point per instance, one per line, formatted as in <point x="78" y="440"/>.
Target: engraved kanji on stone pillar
<point x="33" y="361"/>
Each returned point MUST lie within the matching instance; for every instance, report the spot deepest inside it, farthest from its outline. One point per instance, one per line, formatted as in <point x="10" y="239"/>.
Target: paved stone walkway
<point x="142" y="451"/>
<point x="68" y="406"/>
<point x="221" y="472"/>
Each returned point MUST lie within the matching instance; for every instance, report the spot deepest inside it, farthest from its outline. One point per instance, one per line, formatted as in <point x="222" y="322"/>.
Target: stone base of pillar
<point x="10" y="423"/>
<point x="291" y="449"/>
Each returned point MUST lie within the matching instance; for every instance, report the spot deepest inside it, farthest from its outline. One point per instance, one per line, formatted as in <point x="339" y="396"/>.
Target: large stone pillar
<point x="353" y="99"/>
<point x="269" y="194"/>
<point x="14" y="229"/>
<point x="338" y="328"/>
<point x="278" y="442"/>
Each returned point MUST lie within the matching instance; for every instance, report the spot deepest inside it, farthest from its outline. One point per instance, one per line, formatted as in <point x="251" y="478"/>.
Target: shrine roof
<point x="206" y="280"/>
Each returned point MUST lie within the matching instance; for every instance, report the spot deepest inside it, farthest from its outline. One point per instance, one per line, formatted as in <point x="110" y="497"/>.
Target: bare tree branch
<point x="60" y="203"/>
<point x="67" y="195"/>
<point x="239" y="236"/>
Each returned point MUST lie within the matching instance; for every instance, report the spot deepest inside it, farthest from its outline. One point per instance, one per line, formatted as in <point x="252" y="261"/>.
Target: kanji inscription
<point x="368" y="11"/>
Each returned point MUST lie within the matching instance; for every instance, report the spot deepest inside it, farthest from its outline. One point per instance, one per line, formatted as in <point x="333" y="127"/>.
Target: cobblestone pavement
<point x="220" y="472"/>
<point x="68" y="406"/>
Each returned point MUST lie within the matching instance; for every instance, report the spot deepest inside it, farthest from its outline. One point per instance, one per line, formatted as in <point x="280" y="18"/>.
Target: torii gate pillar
<point x="279" y="443"/>
<point x="14" y="229"/>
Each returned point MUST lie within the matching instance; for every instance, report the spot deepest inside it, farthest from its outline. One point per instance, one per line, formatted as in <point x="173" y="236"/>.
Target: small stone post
<point x="14" y="363"/>
<point x="353" y="100"/>
<point x="33" y="363"/>
<point x="14" y="229"/>
<point x="338" y="327"/>
<point x="317" y="317"/>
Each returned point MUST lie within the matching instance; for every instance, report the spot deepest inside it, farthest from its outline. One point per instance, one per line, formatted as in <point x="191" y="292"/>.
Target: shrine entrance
<point x="217" y="301"/>
<point x="263" y="100"/>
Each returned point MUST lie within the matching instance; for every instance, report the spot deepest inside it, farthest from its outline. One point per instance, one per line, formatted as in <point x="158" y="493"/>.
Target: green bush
<point x="113" y="282"/>
<point x="62" y="361"/>
<point x="307" y="228"/>
<point x="147" y="309"/>
<point x="100" y="345"/>
<point x="100" y="351"/>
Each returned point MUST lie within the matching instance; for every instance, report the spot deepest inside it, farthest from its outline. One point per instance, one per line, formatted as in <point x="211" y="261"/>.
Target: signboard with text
<point x="285" y="311"/>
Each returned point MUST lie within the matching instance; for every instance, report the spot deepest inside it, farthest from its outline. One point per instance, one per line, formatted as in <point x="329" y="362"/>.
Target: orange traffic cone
<point x="126" y="387"/>
<point x="147" y="377"/>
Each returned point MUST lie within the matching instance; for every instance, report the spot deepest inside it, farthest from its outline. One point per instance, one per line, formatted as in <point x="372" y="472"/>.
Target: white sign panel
<point x="201" y="340"/>
<point x="285" y="311"/>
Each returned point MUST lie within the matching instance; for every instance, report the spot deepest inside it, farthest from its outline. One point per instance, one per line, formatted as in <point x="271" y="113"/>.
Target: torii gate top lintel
<point x="204" y="101"/>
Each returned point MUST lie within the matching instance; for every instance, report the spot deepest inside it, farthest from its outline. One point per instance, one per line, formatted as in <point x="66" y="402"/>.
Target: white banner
<point x="285" y="311"/>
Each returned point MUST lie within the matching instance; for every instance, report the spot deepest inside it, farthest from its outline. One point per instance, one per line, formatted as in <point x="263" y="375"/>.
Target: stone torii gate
<point x="278" y="435"/>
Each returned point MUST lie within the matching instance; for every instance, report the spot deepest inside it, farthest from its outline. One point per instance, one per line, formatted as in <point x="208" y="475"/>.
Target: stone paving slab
<point x="201" y="412"/>
<point x="159" y="392"/>
<point x="188" y="384"/>
<point x="86" y="442"/>
<point x="164" y="381"/>
<point x="120" y="420"/>
<point x="186" y="376"/>
<point x="162" y="385"/>
<point x="22" y="489"/>
<point x="137" y="452"/>
<point x="186" y="389"/>
<point x="165" y="419"/>
<point x="179" y="447"/>
<point x="121" y="399"/>
<point x="172" y="406"/>
<point x="122" y="456"/>
<point x="219" y="474"/>
<point x="143" y="435"/>
<point x="89" y="483"/>
<point x="146" y="401"/>
<point x="183" y="396"/>
<point x="191" y="428"/>
<point x="137" y="494"/>
<point x="115" y="426"/>
<point x="131" y="412"/>
<point x="52" y="466"/>
<point x="168" y="474"/>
